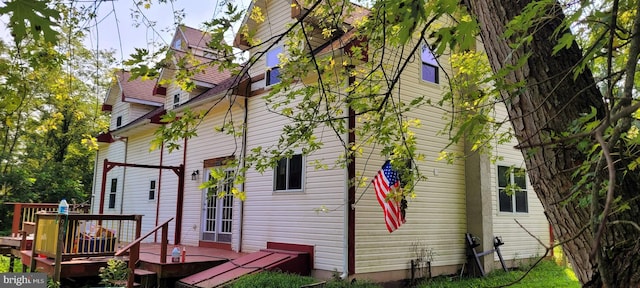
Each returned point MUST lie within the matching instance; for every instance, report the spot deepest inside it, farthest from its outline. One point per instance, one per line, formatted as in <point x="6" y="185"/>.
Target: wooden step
<point x="146" y="278"/>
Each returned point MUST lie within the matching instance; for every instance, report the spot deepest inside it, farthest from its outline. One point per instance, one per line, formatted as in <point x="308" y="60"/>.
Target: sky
<point x="116" y="28"/>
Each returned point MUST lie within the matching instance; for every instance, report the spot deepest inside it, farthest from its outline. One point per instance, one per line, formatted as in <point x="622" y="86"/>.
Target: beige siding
<point x="139" y="110"/>
<point x="291" y="217"/>
<point x="120" y="109"/>
<point x="518" y="243"/>
<point x="169" y="188"/>
<point x="136" y="185"/>
<point x="436" y="218"/>
<point x="113" y="152"/>
<point x="207" y="145"/>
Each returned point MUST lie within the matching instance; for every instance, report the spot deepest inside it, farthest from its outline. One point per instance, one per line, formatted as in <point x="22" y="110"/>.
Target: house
<point x="281" y="206"/>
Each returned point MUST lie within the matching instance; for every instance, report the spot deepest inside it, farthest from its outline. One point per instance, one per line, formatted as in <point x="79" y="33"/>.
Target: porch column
<point x="479" y="203"/>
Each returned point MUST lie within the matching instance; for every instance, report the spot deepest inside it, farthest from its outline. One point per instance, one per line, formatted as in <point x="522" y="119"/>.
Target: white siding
<point x="136" y="183"/>
<point x="113" y="152"/>
<point x="207" y="145"/>
<point x="437" y="216"/>
<point x="169" y="188"/>
<point x="290" y="217"/>
<point x="518" y="243"/>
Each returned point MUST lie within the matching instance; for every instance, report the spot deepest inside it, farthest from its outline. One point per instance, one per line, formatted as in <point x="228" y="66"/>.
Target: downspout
<point x="244" y="154"/>
<point x="350" y="197"/>
<point x="124" y="171"/>
<point x="95" y="181"/>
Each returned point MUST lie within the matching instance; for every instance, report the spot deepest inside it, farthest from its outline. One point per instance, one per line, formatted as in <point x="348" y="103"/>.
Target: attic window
<point x="273" y="70"/>
<point x="177" y="44"/>
<point x="176" y="100"/>
<point x="429" y="65"/>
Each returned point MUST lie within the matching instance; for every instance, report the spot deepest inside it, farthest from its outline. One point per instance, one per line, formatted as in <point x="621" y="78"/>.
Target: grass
<point x="545" y="274"/>
<point x="270" y="279"/>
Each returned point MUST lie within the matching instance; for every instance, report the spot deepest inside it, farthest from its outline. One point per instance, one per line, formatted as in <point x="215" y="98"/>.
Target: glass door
<point x="218" y="211"/>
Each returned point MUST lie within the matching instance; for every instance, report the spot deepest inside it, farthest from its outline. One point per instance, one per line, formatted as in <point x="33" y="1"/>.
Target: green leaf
<point x="31" y="17"/>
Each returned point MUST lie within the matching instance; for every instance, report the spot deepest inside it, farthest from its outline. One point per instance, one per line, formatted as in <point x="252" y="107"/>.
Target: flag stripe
<point x="384" y="182"/>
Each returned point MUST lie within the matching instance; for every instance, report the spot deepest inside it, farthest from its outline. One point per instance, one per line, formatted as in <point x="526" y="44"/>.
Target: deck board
<point x="232" y="270"/>
<point x="197" y="259"/>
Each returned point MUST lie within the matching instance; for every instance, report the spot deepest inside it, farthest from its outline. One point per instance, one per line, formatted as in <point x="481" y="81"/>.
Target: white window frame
<point x="153" y="187"/>
<point x="287" y="175"/>
<point x="113" y="192"/>
<point x="433" y="62"/>
<point x="270" y="64"/>
<point x="512" y="196"/>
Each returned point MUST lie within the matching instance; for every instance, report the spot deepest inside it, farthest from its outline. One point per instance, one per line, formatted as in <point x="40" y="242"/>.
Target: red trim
<point x="159" y="90"/>
<point x="105" y="138"/>
<point x="107" y="108"/>
<point x="157" y="119"/>
<point x="294" y="247"/>
<point x="358" y="42"/>
<point x="158" y="186"/>
<point x="217" y="245"/>
<point x="351" y="173"/>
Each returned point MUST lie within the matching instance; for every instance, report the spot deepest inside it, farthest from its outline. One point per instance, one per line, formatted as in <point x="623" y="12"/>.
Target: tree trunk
<point x="550" y="102"/>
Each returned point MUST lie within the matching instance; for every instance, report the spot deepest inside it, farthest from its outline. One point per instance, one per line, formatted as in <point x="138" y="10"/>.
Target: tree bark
<point x="549" y="103"/>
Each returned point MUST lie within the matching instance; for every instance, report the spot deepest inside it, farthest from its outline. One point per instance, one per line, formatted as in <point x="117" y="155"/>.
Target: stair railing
<point x="134" y="247"/>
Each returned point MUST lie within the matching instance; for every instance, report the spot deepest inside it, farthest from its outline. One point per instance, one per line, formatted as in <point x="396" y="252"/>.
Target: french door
<point x="218" y="211"/>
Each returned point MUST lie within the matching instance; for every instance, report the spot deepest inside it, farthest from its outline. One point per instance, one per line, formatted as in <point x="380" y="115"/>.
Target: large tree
<point x="564" y="70"/>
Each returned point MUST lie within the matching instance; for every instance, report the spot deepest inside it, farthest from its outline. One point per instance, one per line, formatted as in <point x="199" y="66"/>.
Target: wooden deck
<point x="197" y="259"/>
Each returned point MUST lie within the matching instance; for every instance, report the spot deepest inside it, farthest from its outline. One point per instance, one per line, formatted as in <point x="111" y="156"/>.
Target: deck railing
<point x="63" y="236"/>
<point x="26" y="212"/>
<point x="134" y="248"/>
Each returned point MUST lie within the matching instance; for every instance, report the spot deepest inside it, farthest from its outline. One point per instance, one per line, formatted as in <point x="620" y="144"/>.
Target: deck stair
<point x="266" y="259"/>
<point x="146" y="278"/>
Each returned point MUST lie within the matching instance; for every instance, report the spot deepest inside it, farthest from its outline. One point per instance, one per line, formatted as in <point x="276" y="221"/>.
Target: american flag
<point x="387" y="182"/>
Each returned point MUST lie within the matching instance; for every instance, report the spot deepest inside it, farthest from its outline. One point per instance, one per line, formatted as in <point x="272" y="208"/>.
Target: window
<point x="512" y="189"/>
<point x="429" y="65"/>
<point x="112" y="193"/>
<point x="177" y="44"/>
<point x="288" y="174"/>
<point x="273" y="70"/>
<point x="119" y="121"/>
<point x="152" y="189"/>
<point x="176" y="100"/>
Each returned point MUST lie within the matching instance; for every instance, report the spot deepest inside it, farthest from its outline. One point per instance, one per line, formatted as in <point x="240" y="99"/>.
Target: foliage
<point x="269" y="279"/>
<point x="115" y="272"/>
<point x="564" y="70"/>
<point x="49" y="107"/>
<point x="272" y="279"/>
<point x="545" y="274"/>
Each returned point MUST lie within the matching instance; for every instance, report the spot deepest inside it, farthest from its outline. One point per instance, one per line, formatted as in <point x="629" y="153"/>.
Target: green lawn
<point x="545" y="274"/>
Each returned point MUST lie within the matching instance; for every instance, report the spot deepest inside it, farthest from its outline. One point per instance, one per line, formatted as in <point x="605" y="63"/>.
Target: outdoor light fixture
<point x="194" y="175"/>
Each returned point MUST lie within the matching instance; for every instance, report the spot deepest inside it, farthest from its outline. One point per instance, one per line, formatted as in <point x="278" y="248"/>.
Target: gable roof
<point x="210" y="74"/>
<point x="297" y="11"/>
<point x="134" y="91"/>
<point x="194" y="37"/>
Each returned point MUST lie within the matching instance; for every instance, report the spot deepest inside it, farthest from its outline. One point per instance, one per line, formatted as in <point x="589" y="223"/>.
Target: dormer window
<point x="272" y="75"/>
<point x="177" y="44"/>
<point x="176" y="100"/>
<point x="429" y="65"/>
